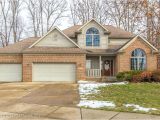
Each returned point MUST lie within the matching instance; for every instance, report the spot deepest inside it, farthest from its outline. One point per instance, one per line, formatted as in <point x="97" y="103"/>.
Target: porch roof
<point x="101" y="51"/>
<point x="112" y="50"/>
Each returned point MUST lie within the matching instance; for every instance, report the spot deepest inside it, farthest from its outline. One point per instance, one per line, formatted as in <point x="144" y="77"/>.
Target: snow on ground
<point x="139" y="108"/>
<point x="91" y="87"/>
<point x="87" y="87"/>
<point x="96" y="104"/>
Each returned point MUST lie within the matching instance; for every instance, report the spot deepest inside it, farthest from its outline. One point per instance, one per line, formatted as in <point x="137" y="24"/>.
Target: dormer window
<point x="92" y="37"/>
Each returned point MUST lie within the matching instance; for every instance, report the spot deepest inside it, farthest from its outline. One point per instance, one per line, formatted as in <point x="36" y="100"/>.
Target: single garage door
<point x="10" y="72"/>
<point x="54" y="72"/>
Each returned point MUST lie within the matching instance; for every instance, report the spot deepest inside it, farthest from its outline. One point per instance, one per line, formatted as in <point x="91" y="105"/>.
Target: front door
<point x="107" y="68"/>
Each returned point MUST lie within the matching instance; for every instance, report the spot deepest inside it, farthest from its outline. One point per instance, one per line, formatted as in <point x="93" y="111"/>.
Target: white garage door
<point x="54" y="72"/>
<point x="10" y="72"/>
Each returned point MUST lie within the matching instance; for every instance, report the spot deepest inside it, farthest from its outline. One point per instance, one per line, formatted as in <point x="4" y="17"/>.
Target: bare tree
<point x="11" y="26"/>
<point x="54" y="11"/>
<point x="33" y="9"/>
<point x="5" y="29"/>
<point x="121" y="13"/>
<point x="44" y="14"/>
<point x="124" y="13"/>
<point x="152" y="20"/>
<point x="16" y="25"/>
<point x="84" y="10"/>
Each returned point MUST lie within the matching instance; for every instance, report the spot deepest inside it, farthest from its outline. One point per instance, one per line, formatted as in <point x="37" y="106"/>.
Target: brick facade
<point x="10" y="58"/>
<point x="123" y="59"/>
<point x="29" y="59"/>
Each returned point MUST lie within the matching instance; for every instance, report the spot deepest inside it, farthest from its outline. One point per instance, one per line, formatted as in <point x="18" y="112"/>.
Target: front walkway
<point x="42" y="101"/>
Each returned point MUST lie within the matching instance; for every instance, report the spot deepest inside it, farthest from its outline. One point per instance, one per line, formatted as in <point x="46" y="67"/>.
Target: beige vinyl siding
<point x="117" y="41"/>
<point x="55" y="39"/>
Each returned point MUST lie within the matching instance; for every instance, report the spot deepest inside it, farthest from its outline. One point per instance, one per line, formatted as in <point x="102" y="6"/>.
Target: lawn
<point x="132" y="97"/>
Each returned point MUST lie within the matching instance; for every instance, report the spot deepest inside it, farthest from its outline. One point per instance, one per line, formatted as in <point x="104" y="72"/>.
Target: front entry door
<point x="107" y="68"/>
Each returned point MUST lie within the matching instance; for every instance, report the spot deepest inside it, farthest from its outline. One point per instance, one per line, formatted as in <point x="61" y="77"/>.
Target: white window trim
<point x="138" y="61"/>
<point x="93" y="40"/>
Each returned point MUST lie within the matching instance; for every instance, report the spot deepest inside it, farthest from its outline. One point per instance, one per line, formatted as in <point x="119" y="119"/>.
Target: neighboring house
<point x="80" y="52"/>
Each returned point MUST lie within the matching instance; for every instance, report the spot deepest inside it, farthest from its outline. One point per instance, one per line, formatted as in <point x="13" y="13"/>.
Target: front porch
<point x="100" y="66"/>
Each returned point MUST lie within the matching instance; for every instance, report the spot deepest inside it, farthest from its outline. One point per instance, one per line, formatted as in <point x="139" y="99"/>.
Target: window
<point x="88" y="64"/>
<point x="138" y="60"/>
<point x="92" y="37"/>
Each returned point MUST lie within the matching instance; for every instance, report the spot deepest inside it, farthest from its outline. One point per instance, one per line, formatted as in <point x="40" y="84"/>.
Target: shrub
<point x="120" y="76"/>
<point x="127" y="75"/>
<point x="145" y="76"/>
<point x="136" y="78"/>
<point x="156" y="76"/>
<point x="139" y="76"/>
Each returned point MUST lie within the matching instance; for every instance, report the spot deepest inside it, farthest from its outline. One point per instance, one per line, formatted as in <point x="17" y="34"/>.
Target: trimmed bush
<point x="127" y="75"/>
<point x="136" y="78"/>
<point x="139" y="76"/>
<point x="145" y="76"/>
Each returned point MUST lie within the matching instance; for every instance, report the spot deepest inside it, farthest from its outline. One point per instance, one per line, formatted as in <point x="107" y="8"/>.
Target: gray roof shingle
<point x="114" y="32"/>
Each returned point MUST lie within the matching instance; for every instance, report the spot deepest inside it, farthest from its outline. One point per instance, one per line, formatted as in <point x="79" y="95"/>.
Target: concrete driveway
<point x="42" y="101"/>
<point x="39" y="93"/>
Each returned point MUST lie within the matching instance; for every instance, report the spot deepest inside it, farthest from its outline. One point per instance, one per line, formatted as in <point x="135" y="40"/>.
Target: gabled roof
<point x="115" y="33"/>
<point x="95" y="22"/>
<point x="18" y="47"/>
<point x="135" y="38"/>
<point x="23" y="47"/>
<point x="55" y="28"/>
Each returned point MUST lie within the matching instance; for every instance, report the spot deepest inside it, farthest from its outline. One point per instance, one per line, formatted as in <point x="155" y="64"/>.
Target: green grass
<point x="144" y="94"/>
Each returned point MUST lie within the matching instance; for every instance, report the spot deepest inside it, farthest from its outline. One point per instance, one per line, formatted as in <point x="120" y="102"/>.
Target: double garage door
<point x="40" y="72"/>
<point x="54" y="72"/>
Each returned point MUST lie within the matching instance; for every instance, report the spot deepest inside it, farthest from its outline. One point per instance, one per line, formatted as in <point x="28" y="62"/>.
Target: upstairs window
<point x="92" y="37"/>
<point x="138" y="60"/>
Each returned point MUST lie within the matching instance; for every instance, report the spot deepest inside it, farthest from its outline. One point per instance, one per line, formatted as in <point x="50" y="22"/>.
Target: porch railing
<point x="93" y="73"/>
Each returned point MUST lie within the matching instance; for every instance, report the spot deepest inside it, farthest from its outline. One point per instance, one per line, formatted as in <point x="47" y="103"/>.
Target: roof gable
<point x="135" y="38"/>
<point x="92" y="20"/>
<point x="54" y="38"/>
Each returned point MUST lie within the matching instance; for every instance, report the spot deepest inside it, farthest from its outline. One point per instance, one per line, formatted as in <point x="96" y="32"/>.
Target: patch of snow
<point x="139" y="108"/>
<point x="96" y="104"/>
<point x="91" y="87"/>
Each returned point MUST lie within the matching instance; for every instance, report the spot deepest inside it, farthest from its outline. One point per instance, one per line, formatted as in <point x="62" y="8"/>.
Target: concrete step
<point x="109" y="79"/>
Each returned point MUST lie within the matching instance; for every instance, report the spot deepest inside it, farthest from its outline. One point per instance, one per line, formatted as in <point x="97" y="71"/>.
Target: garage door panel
<point x="54" y="72"/>
<point x="10" y="72"/>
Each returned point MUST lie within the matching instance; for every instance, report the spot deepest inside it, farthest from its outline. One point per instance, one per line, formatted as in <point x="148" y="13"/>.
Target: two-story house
<point x="89" y="51"/>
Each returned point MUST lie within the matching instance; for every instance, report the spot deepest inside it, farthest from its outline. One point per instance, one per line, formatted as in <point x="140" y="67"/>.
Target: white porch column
<point x="100" y="58"/>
